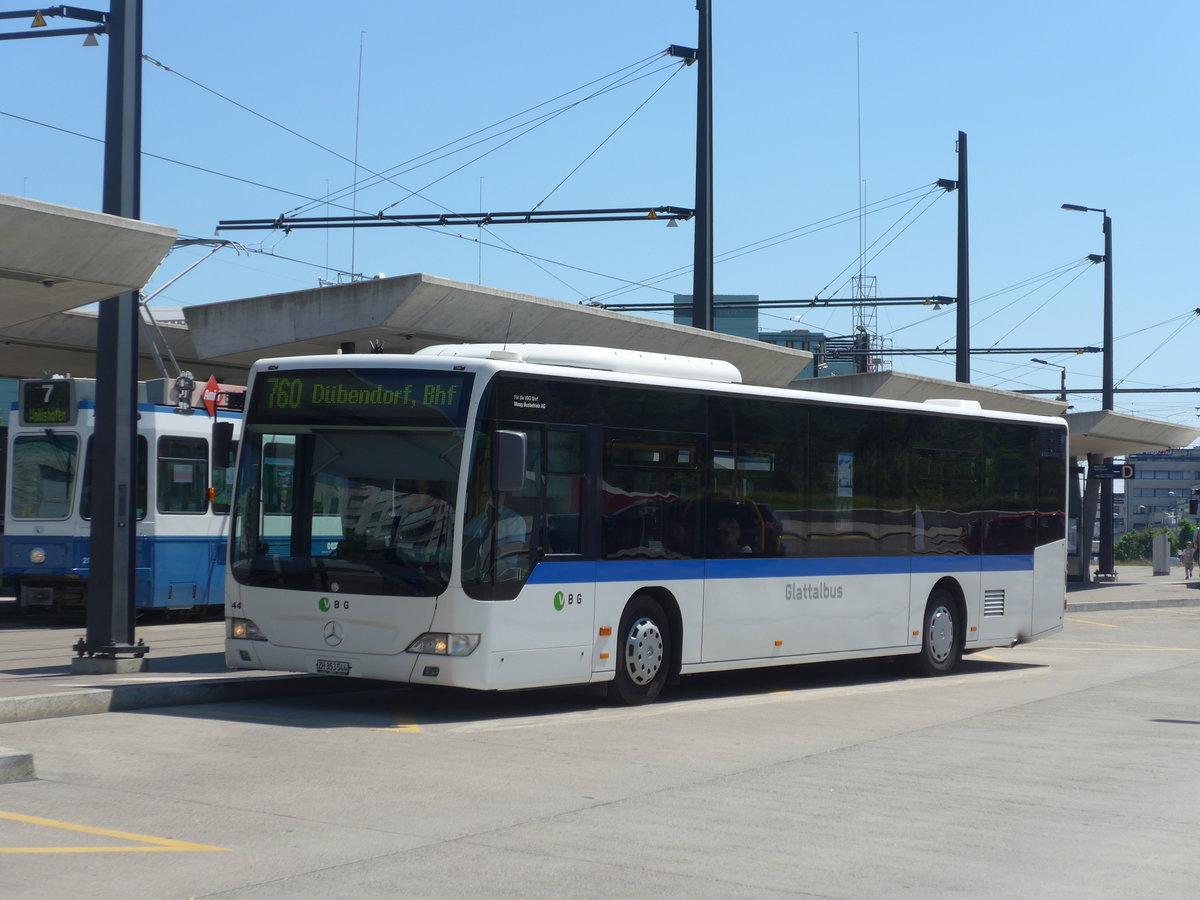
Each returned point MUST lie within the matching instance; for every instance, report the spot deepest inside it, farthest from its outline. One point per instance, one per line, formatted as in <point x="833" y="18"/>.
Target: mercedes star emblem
<point x="333" y="633"/>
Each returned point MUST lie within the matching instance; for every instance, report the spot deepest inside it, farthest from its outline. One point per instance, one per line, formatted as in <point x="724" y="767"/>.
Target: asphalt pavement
<point x="185" y="663"/>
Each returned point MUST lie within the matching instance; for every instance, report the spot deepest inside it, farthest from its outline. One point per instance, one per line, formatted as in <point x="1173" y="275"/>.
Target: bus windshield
<point x="347" y="480"/>
<point x="366" y="511"/>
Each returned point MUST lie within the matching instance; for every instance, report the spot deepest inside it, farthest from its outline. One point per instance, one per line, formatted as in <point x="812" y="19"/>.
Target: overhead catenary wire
<point x="1036" y="281"/>
<point x="265" y="118"/>
<point x="532" y="127"/>
<point x="1174" y="334"/>
<point x="1040" y="306"/>
<point x="766" y="243"/>
<point x="415" y="162"/>
<point x="609" y="137"/>
<point x="387" y="175"/>
<point x="166" y="159"/>
<point x="263" y="252"/>
<point x="862" y="262"/>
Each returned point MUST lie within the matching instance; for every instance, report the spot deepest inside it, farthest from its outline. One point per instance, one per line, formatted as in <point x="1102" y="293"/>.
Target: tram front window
<point x="365" y="511"/>
<point x="43" y="475"/>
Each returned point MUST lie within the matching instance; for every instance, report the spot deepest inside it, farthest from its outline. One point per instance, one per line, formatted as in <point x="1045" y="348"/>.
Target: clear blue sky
<point x="1085" y="103"/>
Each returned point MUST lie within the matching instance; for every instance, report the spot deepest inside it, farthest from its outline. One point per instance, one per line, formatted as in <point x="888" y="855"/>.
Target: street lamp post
<point x="1062" y="392"/>
<point x="1106" y="487"/>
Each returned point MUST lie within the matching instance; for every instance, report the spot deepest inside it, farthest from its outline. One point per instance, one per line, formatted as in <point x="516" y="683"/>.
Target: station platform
<point x="186" y="662"/>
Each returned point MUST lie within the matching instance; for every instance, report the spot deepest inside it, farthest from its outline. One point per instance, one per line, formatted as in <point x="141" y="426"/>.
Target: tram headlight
<point x="441" y="643"/>
<point x="245" y="630"/>
<point x="37" y="556"/>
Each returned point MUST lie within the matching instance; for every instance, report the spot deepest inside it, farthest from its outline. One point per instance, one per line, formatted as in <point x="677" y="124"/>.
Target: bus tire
<point x="941" y="643"/>
<point x="643" y="652"/>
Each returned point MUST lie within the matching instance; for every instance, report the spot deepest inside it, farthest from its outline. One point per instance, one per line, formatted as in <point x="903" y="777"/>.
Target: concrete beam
<point x="918" y="389"/>
<point x="1106" y="433"/>
<point x="414" y="311"/>
<point x="54" y="258"/>
<point x="65" y="344"/>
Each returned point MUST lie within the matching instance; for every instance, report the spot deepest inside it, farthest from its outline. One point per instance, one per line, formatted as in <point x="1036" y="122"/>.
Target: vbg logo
<point x="324" y="604"/>
<point x="562" y="601"/>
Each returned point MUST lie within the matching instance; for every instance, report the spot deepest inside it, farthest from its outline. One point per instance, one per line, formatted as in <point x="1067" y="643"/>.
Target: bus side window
<point x="565" y="484"/>
<point x="651" y="481"/>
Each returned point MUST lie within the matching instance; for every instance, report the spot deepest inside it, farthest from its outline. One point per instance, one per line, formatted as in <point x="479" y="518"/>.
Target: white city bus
<point x="534" y="515"/>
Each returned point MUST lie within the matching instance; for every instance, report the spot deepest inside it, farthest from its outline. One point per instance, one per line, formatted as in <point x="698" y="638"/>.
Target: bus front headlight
<point x="245" y="630"/>
<point x="37" y="556"/>
<point x="441" y="643"/>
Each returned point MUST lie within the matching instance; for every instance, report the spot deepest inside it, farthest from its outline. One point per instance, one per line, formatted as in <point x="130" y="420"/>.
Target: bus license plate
<point x="332" y="667"/>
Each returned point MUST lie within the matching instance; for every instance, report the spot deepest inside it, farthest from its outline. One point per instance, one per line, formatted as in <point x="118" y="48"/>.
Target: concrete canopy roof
<point x="1108" y="433"/>
<point x="65" y="344"/>
<point x="414" y="311"/>
<point x="918" y="389"/>
<point x="54" y="258"/>
<point x="1104" y="432"/>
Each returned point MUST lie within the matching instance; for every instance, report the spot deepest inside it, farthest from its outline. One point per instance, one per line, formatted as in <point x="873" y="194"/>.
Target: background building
<point x="1162" y="485"/>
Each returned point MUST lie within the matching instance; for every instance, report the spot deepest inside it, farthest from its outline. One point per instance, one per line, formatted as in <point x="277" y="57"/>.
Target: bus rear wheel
<point x="643" y="652"/>
<point x="941" y="644"/>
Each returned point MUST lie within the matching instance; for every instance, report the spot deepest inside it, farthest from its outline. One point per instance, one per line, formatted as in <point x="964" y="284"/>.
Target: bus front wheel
<point x="643" y="652"/>
<point x="941" y="646"/>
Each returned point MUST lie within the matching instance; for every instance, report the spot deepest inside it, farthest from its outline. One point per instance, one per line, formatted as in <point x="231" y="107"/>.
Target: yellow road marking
<point x="1101" y="645"/>
<point x="404" y="724"/>
<point x="156" y="845"/>
<point x="1077" y="621"/>
<point x="1120" y="649"/>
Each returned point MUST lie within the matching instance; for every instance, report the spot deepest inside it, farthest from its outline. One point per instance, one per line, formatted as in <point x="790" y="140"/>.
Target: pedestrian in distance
<point x="1187" y="556"/>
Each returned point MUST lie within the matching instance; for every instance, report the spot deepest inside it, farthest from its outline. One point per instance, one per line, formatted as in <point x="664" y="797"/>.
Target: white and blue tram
<point x="184" y="472"/>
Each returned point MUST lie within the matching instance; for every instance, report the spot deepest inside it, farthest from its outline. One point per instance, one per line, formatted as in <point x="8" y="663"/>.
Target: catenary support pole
<point x="112" y="573"/>
<point x="702" y="271"/>
<point x="962" y="361"/>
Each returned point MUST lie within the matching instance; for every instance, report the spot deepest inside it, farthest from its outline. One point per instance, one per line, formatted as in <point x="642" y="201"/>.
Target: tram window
<point x="182" y="474"/>
<point x="43" y="475"/>
<point x="85" y="499"/>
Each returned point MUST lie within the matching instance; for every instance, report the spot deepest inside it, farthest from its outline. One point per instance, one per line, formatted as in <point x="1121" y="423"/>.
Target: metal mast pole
<point x="962" y="362"/>
<point x="702" y="270"/>
<point x="112" y="577"/>
<point x="1106" y="486"/>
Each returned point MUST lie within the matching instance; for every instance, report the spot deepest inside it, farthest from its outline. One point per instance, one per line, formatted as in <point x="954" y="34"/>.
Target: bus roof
<point x="610" y="364"/>
<point x="604" y="359"/>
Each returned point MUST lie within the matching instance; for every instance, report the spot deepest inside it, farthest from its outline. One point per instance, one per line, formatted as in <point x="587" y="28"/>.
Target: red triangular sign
<point x="210" y="395"/>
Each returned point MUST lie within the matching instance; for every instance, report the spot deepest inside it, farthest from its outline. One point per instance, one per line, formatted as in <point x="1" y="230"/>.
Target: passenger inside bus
<point x="729" y="538"/>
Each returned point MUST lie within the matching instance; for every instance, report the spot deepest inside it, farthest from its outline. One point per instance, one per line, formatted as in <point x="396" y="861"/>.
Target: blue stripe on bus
<point x="555" y="571"/>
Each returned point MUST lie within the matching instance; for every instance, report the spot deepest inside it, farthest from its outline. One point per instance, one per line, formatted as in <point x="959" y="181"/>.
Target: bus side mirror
<point x="222" y="442"/>
<point x="510" y="461"/>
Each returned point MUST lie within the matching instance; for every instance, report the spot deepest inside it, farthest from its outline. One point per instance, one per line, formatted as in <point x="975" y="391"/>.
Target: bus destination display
<point x="333" y="395"/>
<point x="50" y="402"/>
